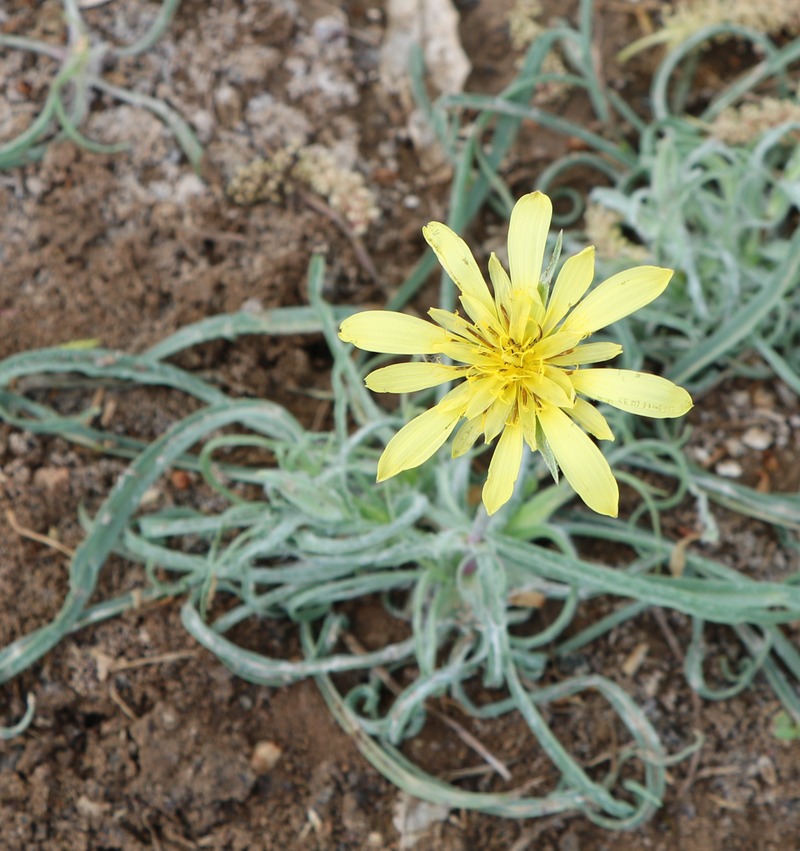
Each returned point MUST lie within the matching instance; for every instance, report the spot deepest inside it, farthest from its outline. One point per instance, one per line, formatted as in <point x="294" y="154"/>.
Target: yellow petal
<point x="483" y="391"/>
<point x="409" y="377"/>
<point x="581" y="461"/>
<point x="523" y="308"/>
<point x="502" y="288"/>
<point x="457" y="260"/>
<point x="554" y="392"/>
<point x="528" y="420"/>
<point x="466" y="436"/>
<point x="554" y="344"/>
<point x="573" y="280"/>
<point x="393" y="333"/>
<point x="457" y="399"/>
<point x="454" y="323"/>
<point x="476" y="355"/>
<point x="416" y="441"/>
<point x="479" y="313"/>
<point x="620" y="295"/>
<point x="495" y="418"/>
<point x="587" y="353"/>
<point x="503" y="468"/>
<point x="589" y="418"/>
<point x="635" y="392"/>
<point x="527" y="236"/>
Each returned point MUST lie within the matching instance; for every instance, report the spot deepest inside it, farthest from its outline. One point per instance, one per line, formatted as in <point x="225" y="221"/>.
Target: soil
<point x="143" y="740"/>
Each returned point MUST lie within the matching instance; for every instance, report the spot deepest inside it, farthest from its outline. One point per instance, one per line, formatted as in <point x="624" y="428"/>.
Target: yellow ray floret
<point x="519" y="355"/>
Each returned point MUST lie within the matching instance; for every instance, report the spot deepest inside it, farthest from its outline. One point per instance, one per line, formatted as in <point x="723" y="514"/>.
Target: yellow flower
<point x="519" y="353"/>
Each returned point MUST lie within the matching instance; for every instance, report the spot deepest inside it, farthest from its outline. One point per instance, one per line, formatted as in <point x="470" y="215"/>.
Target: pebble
<point x="766" y="768"/>
<point x="52" y="480"/>
<point x="265" y="757"/>
<point x="763" y="398"/>
<point x="228" y="104"/>
<point x="729" y="469"/>
<point x="757" y="438"/>
<point x="35" y="186"/>
<point x="188" y="186"/>
<point x="734" y="447"/>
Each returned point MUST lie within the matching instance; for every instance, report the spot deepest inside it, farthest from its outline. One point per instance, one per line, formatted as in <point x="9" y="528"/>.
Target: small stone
<point x="228" y="104"/>
<point x="162" y="190"/>
<point x="700" y="454"/>
<point x="91" y="809"/>
<point x="169" y="719"/>
<point x="265" y="757"/>
<point x="763" y="398"/>
<point x="20" y="443"/>
<point x="734" y="447"/>
<point x="757" y="438"/>
<point x="203" y="122"/>
<point x="252" y="63"/>
<point x="35" y="186"/>
<point x="52" y="480"/>
<point x="150" y="498"/>
<point x="766" y="768"/>
<point x="188" y="186"/>
<point x="180" y="479"/>
<point x="413" y="818"/>
<point x="729" y="469"/>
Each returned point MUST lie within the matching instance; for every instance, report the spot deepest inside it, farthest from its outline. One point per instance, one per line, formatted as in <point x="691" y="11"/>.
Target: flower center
<point x="516" y="362"/>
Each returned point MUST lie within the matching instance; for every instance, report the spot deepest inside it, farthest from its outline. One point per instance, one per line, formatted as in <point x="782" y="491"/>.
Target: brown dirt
<point x="127" y="248"/>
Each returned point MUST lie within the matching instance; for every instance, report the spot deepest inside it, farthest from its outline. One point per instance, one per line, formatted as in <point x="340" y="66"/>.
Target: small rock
<point x="188" y="186"/>
<point x="93" y="810"/>
<point x="729" y="469"/>
<point x="757" y="438"/>
<point x="763" y="398"/>
<point x="169" y="719"/>
<point x="734" y="447"/>
<point x="265" y="757"/>
<point x="150" y="498"/>
<point x="252" y="63"/>
<point x="203" y="122"/>
<point x="414" y="818"/>
<point x="228" y="104"/>
<point x="52" y="480"/>
<point x="21" y="442"/>
<point x="35" y="186"/>
<point x="700" y="454"/>
<point x="766" y="768"/>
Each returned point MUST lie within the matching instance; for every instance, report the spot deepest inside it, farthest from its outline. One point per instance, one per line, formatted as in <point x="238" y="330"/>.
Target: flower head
<point x="519" y="353"/>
